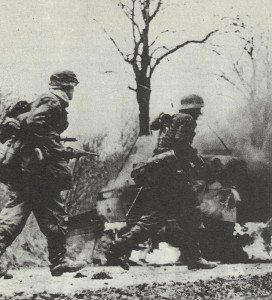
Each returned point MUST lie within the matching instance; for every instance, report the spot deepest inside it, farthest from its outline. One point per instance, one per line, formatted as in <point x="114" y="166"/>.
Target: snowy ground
<point x="38" y="283"/>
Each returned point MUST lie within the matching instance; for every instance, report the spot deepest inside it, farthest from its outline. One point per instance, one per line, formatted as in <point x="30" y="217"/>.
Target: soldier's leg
<point x="12" y="220"/>
<point x="49" y="210"/>
<point x="145" y="227"/>
<point x="148" y="224"/>
<point x="191" y="223"/>
<point x="119" y="250"/>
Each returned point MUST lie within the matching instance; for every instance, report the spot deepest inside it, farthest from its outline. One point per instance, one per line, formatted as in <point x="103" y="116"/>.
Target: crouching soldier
<point x="37" y="165"/>
<point x="168" y="190"/>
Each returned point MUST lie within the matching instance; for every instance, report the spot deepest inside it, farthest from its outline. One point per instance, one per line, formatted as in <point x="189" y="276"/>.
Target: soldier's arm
<point x="40" y="123"/>
<point x="40" y="120"/>
<point x="58" y="150"/>
<point x="181" y="136"/>
<point x="156" y="123"/>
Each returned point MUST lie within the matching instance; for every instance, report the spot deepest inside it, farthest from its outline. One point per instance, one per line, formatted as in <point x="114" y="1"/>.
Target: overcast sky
<point x="38" y="37"/>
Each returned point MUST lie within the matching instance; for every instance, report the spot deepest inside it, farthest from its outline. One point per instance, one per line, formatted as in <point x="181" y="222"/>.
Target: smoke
<point x="165" y="254"/>
<point x="257" y="249"/>
<point x="115" y="227"/>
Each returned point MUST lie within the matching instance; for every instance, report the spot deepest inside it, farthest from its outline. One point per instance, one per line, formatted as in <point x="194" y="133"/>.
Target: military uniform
<point x="38" y="182"/>
<point x="172" y="197"/>
<point x="179" y="137"/>
<point x="157" y="124"/>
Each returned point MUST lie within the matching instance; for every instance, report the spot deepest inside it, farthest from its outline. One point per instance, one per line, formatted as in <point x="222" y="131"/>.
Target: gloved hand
<point x="165" y="119"/>
<point x="79" y="153"/>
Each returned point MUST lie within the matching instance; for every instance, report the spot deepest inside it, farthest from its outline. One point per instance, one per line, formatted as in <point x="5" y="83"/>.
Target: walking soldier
<point x="36" y="169"/>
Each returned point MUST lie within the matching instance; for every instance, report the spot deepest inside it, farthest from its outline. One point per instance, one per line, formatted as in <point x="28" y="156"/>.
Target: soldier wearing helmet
<point x="181" y="132"/>
<point x="170" y="195"/>
<point x="42" y="172"/>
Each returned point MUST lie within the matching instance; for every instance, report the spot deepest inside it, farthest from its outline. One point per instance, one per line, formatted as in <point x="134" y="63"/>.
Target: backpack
<point x="9" y="125"/>
<point x="158" y="171"/>
<point x="9" y="128"/>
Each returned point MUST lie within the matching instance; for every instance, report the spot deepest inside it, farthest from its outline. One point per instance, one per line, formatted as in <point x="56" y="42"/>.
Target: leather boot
<point x="66" y="266"/>
<point x="116" y="257"/>
<point x="201" y="263"/>
<point x="192" y="253"/>
<point x="119" y="251"/>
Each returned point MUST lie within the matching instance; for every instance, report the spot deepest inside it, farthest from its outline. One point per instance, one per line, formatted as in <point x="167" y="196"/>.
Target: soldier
<point x="40" y="172"/>
<point x="171" y="193"/>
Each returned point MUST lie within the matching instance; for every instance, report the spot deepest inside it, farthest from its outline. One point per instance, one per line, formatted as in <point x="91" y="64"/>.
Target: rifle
<point x="68" y="139"/>
<point x="92" y="154"/>
<point x="220" y="139"/>
<point x="134" y="201"/>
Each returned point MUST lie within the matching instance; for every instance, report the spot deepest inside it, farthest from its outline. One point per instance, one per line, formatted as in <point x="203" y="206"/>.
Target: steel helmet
<point x="63" y="78"/>
<point x="191" y="101"/>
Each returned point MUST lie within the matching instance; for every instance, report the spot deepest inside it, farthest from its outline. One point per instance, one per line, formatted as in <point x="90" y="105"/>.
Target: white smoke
<point x="165" y="254"/>
<point x="115" y="226"/>
<point x="257" y="249"/>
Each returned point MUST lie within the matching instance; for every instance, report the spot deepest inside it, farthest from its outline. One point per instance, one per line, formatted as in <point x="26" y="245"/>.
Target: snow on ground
<point x="28" y="283"/>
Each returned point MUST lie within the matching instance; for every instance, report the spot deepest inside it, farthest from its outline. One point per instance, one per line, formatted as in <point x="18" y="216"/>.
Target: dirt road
<point x="38" y="283"/>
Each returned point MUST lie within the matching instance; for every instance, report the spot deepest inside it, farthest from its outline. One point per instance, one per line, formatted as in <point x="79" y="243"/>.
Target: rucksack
<point x="9" y="124"/>
<point x="9" y="128"/>
<point x="157" y="171"/>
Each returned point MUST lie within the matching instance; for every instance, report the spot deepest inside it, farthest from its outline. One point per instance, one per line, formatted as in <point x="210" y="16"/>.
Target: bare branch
<point x="145" y="9"/>
<point x="237" y="71"/>
<point x="224" y="76"/>
<point x="135" y="55"/>
<point x="124" y="56"/>
<point x="130" y="13"/>
<point x="241" y="78"/>
<point x="132" y="89"/>
<point x="155" y="11"/>
<point x="133" y="21"/>
<point x="181" y="46"/>
<point x="122" y="5"/>
<point x="213" y="49"/>
<point x="160" y="34"/>
<point x="158" y="48"/>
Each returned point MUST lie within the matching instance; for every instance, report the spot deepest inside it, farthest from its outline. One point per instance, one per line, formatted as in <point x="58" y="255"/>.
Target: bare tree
<point x="144" y="57"/>
<point x="251" y="74"/>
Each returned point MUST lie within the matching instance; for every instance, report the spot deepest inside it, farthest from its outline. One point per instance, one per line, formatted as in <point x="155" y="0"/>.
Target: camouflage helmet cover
<point x="191" y="101"/>
<point x="63" y="78"/>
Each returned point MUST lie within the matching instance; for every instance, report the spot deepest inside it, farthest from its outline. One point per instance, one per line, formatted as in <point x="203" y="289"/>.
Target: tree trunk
<point x="143" y="99"/>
